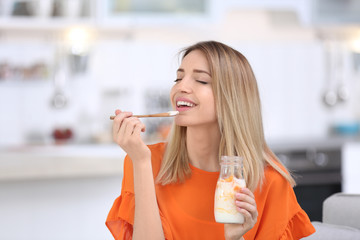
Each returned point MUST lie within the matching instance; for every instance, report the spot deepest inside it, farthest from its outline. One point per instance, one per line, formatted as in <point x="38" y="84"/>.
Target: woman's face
<point x="192" y="94"/>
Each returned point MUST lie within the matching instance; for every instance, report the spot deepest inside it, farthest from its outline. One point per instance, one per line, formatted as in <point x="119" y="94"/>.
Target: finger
<point x="137" y="129"/>
<point x="247" y="206"/>
<point x="129" y="125"/>
<point x="116" y="125"/>
<point x="124" y="127"/>
<point x="247" y="192"/>
<point x="117" y="111"/>
<point x="248" y="217"/>
<point x="242" y="197"/>
<point x="118" y="120"/>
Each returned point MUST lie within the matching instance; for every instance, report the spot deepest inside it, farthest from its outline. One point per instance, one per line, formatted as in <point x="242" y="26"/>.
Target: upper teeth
<point x="183" y="103"/>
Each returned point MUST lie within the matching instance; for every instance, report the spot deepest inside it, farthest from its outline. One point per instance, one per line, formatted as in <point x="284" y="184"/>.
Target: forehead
<point x="195" y="60"/>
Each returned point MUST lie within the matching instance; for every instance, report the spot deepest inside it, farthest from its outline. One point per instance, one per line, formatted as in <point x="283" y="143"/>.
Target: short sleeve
<point x="280" y="215"/>
<point x="120" y="219"/>
<point x="296" y="229"/>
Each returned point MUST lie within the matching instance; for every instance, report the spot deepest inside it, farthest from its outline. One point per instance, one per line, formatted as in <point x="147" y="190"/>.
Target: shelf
<point x="102" y="17"/>
<point x="33" y="23"/>
<point x="114" y="23"/>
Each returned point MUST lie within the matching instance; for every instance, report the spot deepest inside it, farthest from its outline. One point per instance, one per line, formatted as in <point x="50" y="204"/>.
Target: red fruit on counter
<point x="62" y="134"/>
<point x="68" y="133"/>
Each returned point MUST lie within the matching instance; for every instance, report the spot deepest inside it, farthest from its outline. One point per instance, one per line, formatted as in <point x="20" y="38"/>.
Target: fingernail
<point x="238" y="195"/>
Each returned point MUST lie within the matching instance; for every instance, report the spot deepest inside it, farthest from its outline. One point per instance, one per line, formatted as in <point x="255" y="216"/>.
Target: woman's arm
<point x="126" y="133"/>
<point x="147" y="223"/>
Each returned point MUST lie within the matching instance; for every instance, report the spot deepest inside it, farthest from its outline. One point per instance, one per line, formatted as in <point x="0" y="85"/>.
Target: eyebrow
<point x="195" y="70"/>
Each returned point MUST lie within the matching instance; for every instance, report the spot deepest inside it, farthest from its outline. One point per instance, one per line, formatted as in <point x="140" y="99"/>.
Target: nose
<point x="184" y="85"/>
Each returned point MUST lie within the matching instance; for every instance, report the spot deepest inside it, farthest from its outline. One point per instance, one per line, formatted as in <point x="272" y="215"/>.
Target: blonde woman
<point x="168" y="188"/>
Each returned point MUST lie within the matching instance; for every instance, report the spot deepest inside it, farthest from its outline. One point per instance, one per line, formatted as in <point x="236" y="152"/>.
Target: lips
<point x="184" y="104"/>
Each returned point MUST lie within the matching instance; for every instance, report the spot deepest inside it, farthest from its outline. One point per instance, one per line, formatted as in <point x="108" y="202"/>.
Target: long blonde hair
<point x="239" y="117"/>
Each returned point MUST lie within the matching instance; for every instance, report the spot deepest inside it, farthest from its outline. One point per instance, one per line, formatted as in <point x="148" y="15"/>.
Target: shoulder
<point x="157" y="148"/>
<point x="276" y="193"/>
<point x="271" y="175"/>
<point x="274" y="186"/>
<point x="157" y="153"/>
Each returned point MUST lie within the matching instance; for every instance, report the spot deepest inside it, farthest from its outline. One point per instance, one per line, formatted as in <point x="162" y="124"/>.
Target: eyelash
<point x="202" y="82"/>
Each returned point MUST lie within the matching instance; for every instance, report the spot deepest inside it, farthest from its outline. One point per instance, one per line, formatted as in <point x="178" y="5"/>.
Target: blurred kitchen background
<point x="66" y="65"/>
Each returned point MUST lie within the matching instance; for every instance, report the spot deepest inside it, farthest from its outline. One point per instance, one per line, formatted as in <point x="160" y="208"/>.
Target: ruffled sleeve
<point x="293" y="231"/>
<point x="120" y="219"/>
<point x="280" y="215"/>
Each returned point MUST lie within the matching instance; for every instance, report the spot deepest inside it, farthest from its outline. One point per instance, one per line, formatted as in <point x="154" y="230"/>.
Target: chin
<point x="181" y="123"/>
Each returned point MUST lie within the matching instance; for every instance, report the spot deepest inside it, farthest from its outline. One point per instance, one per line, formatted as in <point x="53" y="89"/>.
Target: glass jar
<point x="230" y="181"/>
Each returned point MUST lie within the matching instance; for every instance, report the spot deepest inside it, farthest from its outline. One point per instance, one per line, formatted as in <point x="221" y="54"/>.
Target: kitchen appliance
<point x="316" y="167"/>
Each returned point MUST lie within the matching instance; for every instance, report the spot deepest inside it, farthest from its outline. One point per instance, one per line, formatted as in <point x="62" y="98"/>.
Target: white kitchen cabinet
<point x="46" y="14"/>
<point x="102" y="14"/>
<point x="351" y="167"/>
<point x="57" y="209"/>
<point x="62" y="189"/>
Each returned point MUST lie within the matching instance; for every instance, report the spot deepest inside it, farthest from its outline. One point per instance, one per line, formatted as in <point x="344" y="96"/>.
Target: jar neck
<point x="228" y="171"/>
<point x="231" y="166"/>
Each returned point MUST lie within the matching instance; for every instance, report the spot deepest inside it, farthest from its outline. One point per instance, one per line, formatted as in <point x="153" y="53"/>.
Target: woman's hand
<point x="246" y="205"/>
<point x="126" y="133"/>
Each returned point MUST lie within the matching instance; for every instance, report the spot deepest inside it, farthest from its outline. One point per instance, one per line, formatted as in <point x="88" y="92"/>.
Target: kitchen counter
<point x="309" y="143"/>
<point x="350" y="156"/>
<point x="66" y="161"/>
<point x="60" y="161"/>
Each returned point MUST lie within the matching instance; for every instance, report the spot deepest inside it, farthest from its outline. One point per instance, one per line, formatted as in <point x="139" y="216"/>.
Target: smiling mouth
<point x="184" y="105"/>
<point x="181" y="104"/>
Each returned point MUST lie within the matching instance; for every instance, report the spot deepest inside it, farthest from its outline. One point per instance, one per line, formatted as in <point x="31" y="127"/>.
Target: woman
<point x="168" y="188"/>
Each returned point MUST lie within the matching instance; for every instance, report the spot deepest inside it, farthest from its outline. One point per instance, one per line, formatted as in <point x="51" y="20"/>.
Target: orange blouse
<point x="187" y="209"/>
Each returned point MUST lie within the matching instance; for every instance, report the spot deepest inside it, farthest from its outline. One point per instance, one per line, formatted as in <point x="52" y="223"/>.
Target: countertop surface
<point x="58" y="161"/>
<point x="91" y="160"/>
<point x="309" y="143"/>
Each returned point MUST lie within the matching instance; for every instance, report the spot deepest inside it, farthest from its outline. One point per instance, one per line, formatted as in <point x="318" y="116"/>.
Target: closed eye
<point x="202" y="82"/>
<point x="178" y="79"/>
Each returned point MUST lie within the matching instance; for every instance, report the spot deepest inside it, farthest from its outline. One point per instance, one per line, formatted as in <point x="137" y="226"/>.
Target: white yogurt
<point x="225" y="208"/>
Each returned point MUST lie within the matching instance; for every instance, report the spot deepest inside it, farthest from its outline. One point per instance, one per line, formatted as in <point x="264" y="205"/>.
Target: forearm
<point x="147" y="223"/>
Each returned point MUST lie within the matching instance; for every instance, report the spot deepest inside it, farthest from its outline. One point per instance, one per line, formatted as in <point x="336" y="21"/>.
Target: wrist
<point x="142" y="158"/>
<point x="141" y="163"/>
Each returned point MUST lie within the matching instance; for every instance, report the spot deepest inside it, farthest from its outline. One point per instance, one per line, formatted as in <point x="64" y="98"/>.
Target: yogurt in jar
<point x="225" y="208"/>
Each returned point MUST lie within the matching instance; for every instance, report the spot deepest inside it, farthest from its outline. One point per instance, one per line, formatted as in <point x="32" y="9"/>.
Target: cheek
<point x="212" y="105"/>
<point x="209" y="107"/>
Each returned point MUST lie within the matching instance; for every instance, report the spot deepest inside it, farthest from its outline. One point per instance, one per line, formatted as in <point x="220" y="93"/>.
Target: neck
<point x="203" y="147"/>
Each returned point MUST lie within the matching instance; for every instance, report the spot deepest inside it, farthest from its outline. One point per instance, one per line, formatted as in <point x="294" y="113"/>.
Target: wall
<point x="288" y="61"/>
